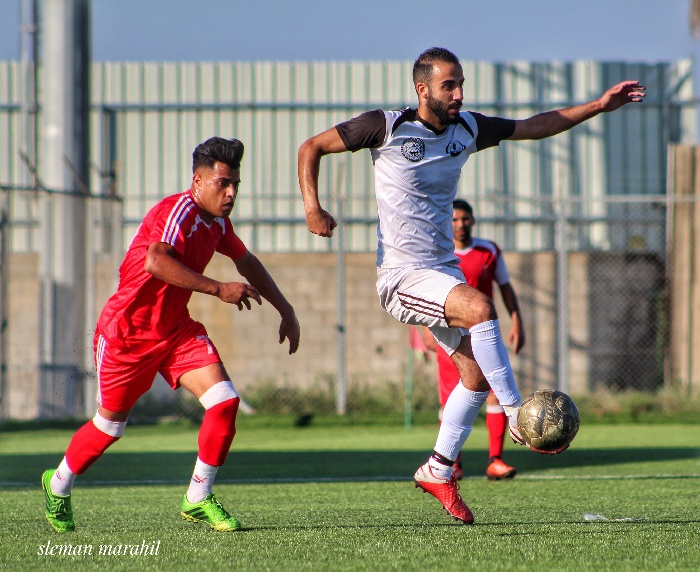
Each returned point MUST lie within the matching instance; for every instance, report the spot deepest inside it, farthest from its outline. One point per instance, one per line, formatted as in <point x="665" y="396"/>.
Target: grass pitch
<point x="341" y="498"/>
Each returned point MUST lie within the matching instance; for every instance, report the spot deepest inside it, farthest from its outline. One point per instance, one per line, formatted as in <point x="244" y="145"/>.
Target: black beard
<point x="441" y="111"/>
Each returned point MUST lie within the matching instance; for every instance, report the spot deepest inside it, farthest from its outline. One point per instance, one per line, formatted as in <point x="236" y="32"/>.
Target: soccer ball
<point x="548" y="421"/>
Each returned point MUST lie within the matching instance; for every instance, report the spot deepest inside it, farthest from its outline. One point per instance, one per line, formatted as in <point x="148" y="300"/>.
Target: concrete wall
<point x="599" y="301"/>
<point x="23" y="295"/>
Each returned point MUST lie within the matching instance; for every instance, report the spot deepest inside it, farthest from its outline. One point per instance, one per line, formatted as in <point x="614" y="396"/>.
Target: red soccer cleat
<point x="498" y="470"/>
<point x="444" y="490"/>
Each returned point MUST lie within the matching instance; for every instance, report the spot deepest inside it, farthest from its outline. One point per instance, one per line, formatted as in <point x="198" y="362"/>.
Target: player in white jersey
<point x="418" y="155"/>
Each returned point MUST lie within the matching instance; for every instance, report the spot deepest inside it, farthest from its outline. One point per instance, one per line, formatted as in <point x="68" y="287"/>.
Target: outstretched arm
<point x="253" y="270"/>
<point x="318" y="221"/>
<point x="553" y="122"/>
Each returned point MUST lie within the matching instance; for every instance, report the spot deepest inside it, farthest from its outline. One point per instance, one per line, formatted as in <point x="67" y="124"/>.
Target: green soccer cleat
<point x="58" y="510"/>
<point x="210" y="511"/>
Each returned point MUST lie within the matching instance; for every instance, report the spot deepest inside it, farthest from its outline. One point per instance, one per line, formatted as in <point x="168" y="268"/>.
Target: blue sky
<point x="492" y="30"/>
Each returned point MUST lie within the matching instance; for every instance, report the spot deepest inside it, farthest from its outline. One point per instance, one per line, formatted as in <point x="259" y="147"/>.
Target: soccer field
<point x="341" y="498"/>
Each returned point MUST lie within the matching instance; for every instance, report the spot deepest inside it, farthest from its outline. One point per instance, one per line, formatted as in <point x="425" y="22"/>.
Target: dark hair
<point x="218" y="149"/>
<point x="462" y="205"/>
<point x="423" y="66"/>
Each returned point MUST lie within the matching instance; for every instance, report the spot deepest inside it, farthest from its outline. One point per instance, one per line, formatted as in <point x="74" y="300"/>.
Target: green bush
<point x="385" y="403"/>
<point x="386" y="398"/>
<point x="672" y="405"/>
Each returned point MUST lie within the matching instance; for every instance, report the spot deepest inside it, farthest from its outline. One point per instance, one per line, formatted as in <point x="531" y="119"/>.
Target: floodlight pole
<point x="63" y="166"/>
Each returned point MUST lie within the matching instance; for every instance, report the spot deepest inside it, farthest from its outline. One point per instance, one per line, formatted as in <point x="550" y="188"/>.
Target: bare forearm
<point x="258" y="277"/>
<point x="511" y="302"/>
<point x="318" y="221"/>
<point x="554" y="122"/>
<point x="309" y="163"/>
<point x="170" y="270"/>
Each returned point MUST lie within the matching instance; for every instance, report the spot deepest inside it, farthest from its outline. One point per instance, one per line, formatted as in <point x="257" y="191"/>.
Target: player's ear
<point x="422" y="90"/>
<point x="196" y="179"/>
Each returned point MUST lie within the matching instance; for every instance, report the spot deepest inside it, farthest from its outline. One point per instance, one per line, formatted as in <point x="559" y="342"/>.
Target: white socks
<point x="62" y="480"/>
<point x="202" y="481"/>
<point x="492" y="356"/>
<point x="460" y="412"/>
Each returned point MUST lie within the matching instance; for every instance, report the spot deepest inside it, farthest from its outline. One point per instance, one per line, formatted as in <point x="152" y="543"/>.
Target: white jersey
<point x="416" y="176"/>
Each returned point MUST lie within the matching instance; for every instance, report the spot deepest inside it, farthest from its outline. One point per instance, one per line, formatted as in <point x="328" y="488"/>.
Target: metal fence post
<point x="341" y="382"/>
<point x="562" y="295"/>
<point x="4" y="270"/>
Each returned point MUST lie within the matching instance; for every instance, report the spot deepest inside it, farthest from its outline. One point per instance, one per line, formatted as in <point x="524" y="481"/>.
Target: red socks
<point x="217" y="432"/>
<point x="496" y="424"/>
<point x="86" y="447"/>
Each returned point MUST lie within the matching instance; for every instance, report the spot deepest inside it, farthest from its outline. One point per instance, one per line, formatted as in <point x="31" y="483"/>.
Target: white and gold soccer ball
<point x="548" y="421"/>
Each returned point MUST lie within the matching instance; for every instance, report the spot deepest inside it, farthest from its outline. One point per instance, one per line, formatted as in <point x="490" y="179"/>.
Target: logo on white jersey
<point x="455" y="148"/>
<point x="413" y="149"/>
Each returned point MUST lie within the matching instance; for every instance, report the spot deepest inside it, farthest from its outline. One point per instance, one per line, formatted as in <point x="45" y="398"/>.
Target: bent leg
<point x="210" y="384"/>
<point x="458" y="418"/>
<point x="87" y="445"/>
<point x="462" y="407"/>
<point x="467" y="308"/>
<point x="93" y="439"/>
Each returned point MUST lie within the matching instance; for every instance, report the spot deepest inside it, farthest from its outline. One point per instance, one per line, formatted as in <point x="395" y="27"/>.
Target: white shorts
<point x="417" y="296"/>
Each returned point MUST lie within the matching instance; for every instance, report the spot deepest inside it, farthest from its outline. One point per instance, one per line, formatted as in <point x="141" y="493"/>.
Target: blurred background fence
<point x="597" y="225"/>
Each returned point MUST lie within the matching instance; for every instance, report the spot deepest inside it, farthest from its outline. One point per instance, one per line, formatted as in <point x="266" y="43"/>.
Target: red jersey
<point x="145" y="308"/>
<point x="482" y="264"/>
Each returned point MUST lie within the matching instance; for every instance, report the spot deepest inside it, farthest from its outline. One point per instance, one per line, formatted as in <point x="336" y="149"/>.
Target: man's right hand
<point x="320" y="222"/>
<point x="238" y="293"/>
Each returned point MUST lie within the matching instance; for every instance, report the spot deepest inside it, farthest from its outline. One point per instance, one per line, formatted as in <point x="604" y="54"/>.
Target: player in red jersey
<point x="482" y="263"/>
<point x="145" y="328"/>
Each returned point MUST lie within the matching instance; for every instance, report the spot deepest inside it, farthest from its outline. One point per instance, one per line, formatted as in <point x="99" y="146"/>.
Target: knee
<point x="225" y="412"/>
<point x="484" y="309"/>
<point x="229" y="409"/>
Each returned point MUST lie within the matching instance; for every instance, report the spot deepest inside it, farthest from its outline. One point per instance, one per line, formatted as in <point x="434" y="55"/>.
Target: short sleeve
<point x="366" y="131"/>
<point x="501" y="275"/>
<point x="492" y="130"/>
<point x="166" y="223"/>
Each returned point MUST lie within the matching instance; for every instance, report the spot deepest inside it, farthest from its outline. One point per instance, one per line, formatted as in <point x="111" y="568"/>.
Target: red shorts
<point x="125" y="374"/>
<point x="448" y="375"/>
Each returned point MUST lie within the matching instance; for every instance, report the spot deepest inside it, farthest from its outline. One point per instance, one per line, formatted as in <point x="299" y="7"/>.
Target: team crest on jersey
<point x="455" y="148"/>
<point x="413" y="149"/>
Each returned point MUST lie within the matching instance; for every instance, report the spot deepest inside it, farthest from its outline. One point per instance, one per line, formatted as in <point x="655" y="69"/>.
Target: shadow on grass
<point x="249" y="466"/>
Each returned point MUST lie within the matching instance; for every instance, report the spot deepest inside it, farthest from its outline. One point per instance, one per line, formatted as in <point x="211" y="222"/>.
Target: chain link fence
<point x="596" y="318"/>
<point x="599" y="245"/>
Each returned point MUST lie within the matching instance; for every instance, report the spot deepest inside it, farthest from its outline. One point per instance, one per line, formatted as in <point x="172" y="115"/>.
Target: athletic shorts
<point x="417" y="296"/>
<point x="125" y="374"/>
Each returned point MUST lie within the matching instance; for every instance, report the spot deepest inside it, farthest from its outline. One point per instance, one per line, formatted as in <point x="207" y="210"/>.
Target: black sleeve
<point x="492" y="130"/>
<point x="364" y="131"/>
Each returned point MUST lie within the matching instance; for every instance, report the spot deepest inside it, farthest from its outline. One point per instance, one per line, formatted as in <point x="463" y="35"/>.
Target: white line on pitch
<point x="263" y="481"/>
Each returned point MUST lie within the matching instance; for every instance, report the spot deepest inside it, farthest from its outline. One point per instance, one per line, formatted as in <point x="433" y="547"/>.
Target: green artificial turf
<point x="341" y="498"/>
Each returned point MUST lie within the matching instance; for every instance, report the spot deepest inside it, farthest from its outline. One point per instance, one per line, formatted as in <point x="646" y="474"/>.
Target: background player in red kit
<point x="145" y="328"/>
<point x="482" y="263"/>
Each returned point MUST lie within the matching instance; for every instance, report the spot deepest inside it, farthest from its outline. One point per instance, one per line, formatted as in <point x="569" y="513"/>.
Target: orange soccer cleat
<point x="498" y="470"/>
